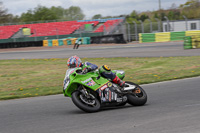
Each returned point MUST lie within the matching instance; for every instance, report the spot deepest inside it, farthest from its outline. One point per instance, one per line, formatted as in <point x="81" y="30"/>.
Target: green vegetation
<point x="176" y="12"/>
<point x="37" y="77"/>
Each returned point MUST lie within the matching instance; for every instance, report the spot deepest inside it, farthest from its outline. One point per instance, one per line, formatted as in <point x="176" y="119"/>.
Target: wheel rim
<point x="138" y="92"/>
<point x="89" y="100"/>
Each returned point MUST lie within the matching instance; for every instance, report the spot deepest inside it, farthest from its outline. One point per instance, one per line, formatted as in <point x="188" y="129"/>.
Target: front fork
<point x="84" y="91"/>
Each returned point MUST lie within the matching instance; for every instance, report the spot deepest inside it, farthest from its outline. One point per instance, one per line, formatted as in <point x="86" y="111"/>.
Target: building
<point x="169" y="26"/>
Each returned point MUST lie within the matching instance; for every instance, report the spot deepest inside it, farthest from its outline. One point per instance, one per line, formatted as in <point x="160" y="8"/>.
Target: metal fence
<point x="131" y="30"/>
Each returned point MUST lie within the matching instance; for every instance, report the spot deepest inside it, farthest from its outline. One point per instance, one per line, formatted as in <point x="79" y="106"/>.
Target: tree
<point x="59" y="11"/>
<point x="3" y="14"/>
<point x="134" y="14"/>
<point x="162" y="16"/>
<point x="97" y="16"/>
<point x="74" y="13"/>
<point x="191" y="9"/>
<point x="190" y="3"/>
<point x="44" y="13"/>
<point x="40" y="13"/>
<point x="28" y="16"/>
<point x="143" y="17"/>
<point x="171" y="15"/>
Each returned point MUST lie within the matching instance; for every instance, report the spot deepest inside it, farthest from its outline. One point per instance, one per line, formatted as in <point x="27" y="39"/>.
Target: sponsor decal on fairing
<point x="103" y="87"/>
<point x="87" y="80"/>
<point x="91" y="83"/>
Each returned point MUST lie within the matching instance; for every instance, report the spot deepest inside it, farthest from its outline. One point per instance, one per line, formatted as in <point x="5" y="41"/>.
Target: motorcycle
<point x="91" y="91"/>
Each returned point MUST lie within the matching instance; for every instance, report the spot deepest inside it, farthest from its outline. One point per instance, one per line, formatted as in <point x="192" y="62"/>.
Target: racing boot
<point x="118" y="81"/>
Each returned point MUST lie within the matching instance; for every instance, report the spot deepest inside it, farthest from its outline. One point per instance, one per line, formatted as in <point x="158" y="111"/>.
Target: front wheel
<point x="138" y="96"/>
<point x="87" y="103"/>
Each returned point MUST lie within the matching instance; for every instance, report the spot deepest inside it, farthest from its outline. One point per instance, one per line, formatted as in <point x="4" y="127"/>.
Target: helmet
<point x="74" y="61"/>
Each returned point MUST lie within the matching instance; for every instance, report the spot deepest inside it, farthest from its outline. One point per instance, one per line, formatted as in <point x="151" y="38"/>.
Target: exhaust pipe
<point x="131" y="87"/>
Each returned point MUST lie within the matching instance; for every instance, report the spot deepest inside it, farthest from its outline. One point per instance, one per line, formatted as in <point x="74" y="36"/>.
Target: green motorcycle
<point x="91" y="91"/>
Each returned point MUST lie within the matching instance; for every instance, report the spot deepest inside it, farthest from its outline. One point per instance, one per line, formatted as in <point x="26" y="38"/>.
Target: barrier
<point x="195" y="41"/>
<point x="148" y="37"/>
<point x="67" y="41"/>
<point x="191" y="42"/>
<point x="64" y="41"/>
<point x="187" y="42"/>
<point x="177" y="36"/>
<point x="50" y="43"/>
<point x="86" y="40"/>
<point x="118" y="38"/>
<point x="60" y="42"/>
<point x="21" y="44"/>
<point x="192" y="33"/>
<point x="73" y="41"/>
<point x="55" y="42"/>
<point x="45" y="43"/>
<point x="162" y="37"/>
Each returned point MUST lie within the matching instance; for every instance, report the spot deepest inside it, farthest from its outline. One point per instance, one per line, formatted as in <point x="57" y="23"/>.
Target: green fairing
<point x="77" y="79"/>
<point x="82" y="79"/>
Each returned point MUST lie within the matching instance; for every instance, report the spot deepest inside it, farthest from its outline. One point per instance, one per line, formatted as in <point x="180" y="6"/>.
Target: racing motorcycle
<point x="90" y="91"/>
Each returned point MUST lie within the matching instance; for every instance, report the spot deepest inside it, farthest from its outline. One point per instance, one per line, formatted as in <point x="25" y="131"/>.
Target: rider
<point x="75" y="61"/>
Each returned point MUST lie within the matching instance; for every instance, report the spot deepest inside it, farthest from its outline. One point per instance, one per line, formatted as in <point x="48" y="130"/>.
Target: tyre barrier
<point x="167" y="36"/>
<point x="191" y="42"/>
<point x="118" y="38"/>
<point x="65" y="41"/>
<point x="162" y="36"/>
<point x="21" y="44"/>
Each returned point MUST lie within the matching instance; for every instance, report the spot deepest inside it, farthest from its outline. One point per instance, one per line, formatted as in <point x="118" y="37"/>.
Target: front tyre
<point x="88" y="104"/>
<point x="138" y="96"/>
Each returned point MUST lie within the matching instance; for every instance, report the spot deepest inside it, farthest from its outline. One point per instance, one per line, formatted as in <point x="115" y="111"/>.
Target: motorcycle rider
<point x="105" y="71"/>
<point x="77" y="43"/>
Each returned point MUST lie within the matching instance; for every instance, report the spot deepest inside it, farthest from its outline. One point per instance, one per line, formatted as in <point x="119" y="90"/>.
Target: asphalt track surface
<point x="172" y="106"/>
<point x="120" y="50"/>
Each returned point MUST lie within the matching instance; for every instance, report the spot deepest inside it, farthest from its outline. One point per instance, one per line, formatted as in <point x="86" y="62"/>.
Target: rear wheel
<point x="138" y="97"/>
<point x="88" y="103"/>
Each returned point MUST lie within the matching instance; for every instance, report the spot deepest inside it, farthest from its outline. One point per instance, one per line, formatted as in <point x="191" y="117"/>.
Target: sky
<point x="92" y="7"/>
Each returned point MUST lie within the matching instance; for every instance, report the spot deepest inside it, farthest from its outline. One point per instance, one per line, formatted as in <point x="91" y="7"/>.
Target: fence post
<point x="35" y="34"/>
<point x="136" y="34"/>
<point x="150" y="25"/>
<point x="167" y="23"/>
<point x="159" y="29"/>
<point x="129" y="39"/>
<point x="186" y="22"/>
<point x="142" y="26"/>
<point x="104" y="29"/>
<point x="57" y="35"/>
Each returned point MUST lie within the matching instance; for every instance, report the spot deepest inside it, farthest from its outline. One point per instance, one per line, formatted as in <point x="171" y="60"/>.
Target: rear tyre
<point x="88" y="104"/>
<point x="138" y="97"/>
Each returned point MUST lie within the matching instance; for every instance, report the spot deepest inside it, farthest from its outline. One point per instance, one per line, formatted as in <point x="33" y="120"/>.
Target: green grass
<point x="39" y="77"/>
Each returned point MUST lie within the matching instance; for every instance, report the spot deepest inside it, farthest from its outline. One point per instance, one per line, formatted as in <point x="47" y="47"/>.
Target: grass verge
<point x="39" y="77"/>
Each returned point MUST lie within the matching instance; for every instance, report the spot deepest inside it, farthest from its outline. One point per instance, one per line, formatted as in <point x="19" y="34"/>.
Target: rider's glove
<point x="86" y="70"/>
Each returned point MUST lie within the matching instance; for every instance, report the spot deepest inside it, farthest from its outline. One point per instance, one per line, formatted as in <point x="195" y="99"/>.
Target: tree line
<point x="190" y="9"/>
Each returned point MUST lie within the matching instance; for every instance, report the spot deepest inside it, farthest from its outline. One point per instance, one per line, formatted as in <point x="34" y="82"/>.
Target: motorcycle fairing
<point x="107" y="93"/>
